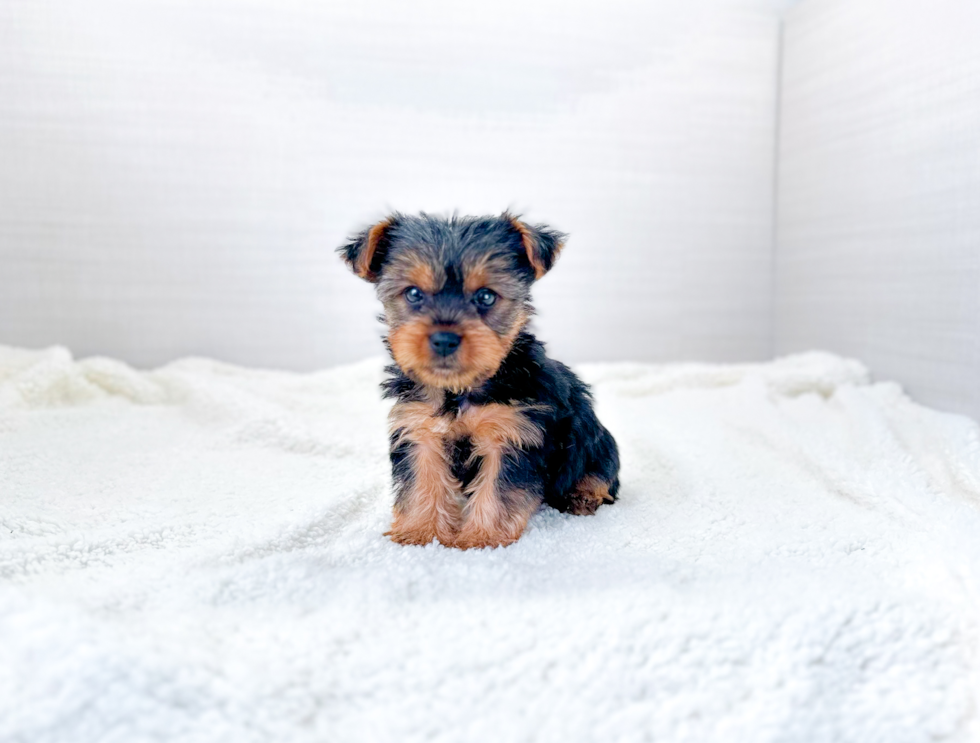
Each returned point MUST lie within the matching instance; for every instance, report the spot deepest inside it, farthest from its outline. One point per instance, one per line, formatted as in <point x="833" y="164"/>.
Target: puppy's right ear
<point x="366" y="251"/>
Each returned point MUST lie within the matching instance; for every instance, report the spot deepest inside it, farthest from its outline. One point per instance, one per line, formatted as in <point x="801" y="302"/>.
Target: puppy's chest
<point x="467" y="432"/>
<point x="458" y="427"/>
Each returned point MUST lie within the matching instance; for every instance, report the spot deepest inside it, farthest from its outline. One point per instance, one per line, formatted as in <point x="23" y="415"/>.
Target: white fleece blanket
<point x="196" y="554"/>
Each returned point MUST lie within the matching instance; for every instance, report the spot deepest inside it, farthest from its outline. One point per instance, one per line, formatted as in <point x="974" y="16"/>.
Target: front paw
<point x="402" y="536"/>
<point x="475" y="538"/>
<point x="443" y="529"/>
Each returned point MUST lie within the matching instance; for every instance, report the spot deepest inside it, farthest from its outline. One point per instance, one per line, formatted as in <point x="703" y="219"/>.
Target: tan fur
<point x="362" y="267"/>
<point x="492" y="429"/>
<point x="479" y="356"/>
<point x="498" y="425"/>
<point x="590" y="493"/>
<point x="411" y="268"/>
<point x="432" y="509"/>
<point x="531" y="246"/>
<point x="421" y="275"/>
<point x="476" y="279"/>
<point x="414" y="417"/>
<point x="410" y="346"/>
<point x="481" y="353"/>
<point x="487" y="272"/>
<point x="485" y="341"/>
<point x="493" y="272"/>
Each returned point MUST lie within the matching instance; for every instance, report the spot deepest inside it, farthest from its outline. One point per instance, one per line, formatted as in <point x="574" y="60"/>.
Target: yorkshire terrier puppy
<point x="485" y="427"/>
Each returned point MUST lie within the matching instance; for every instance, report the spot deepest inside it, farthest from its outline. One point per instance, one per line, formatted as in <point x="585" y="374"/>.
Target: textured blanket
<point x="195" y="553"/>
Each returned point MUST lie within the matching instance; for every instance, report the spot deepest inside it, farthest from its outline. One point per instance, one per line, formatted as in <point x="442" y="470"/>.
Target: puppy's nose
<point x="443" y="343"/>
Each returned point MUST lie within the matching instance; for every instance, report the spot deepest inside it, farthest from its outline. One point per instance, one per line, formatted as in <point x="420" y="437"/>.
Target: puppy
<point x="485" y="427"/>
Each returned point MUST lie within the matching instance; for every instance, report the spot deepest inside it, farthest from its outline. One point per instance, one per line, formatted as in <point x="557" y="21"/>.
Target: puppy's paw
<point x="443" y="527"/>
<point x="492" y="519"/>
<point x="401" y="536"/>
<point x="473" y="539"/>
<point x="590" y="493"/>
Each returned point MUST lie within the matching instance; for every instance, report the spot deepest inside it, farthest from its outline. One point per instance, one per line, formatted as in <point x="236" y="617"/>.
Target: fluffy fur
<point x="485" y="427"/>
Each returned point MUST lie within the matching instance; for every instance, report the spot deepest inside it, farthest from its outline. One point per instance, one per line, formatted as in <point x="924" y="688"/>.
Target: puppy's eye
<point x="485" y="297"/>
<point x="414" y="295"/>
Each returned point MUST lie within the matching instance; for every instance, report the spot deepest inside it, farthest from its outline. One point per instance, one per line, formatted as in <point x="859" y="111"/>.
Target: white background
<point x="176" y="175"/>
<point x="879" y="191"/>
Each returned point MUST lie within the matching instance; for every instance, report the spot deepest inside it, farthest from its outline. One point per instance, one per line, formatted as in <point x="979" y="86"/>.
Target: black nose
<point x="444" y="343"/>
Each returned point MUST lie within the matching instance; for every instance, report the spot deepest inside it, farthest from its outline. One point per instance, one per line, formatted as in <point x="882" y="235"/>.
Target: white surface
<point x="176" y="175"/>
<point x="879" y="191"/>
<point x="195" y="554"/>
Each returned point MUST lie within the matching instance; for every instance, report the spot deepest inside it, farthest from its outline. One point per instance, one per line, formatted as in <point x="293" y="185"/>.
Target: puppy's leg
<point x="507" y="489"/>
<point x="497" y="512"/>
<point x="427" y="503"/>
<point x="586" y="472"/>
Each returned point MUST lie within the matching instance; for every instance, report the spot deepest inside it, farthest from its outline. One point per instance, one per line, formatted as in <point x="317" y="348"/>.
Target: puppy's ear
<point x="541" y="243"/>
<point x="366" y="251"/>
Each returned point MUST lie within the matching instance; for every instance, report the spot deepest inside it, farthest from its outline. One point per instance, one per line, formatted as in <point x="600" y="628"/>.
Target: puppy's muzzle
<point x="444" y="343"/>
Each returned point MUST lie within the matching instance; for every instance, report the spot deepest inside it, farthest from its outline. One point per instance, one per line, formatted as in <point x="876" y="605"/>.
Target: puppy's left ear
<point x="541" y="243"/>
<point x="366" y="251"/>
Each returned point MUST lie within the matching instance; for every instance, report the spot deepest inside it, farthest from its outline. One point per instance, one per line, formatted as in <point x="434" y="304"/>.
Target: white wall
<point x="878" y="251"/>
<point x="175" y="175"/>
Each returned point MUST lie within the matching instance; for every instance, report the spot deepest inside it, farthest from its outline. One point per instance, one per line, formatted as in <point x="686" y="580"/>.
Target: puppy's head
<point x="456" y="292"/>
